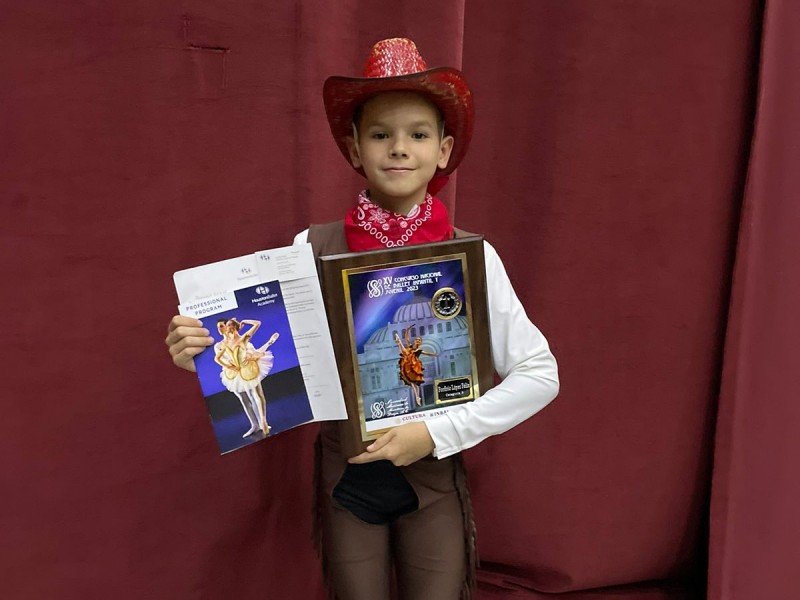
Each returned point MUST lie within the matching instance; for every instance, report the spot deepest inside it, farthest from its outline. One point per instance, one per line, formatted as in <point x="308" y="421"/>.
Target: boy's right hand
<point x="186" y="338"/>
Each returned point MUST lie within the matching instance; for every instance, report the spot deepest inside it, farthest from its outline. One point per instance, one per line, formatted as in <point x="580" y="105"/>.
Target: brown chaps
<point x="422" y="555"/>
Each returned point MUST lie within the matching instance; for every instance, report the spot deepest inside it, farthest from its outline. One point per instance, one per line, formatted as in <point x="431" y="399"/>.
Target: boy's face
<point x="398" y="145"/>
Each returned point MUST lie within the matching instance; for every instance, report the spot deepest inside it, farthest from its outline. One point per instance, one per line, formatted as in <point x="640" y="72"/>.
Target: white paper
<point x="219" y="277"/>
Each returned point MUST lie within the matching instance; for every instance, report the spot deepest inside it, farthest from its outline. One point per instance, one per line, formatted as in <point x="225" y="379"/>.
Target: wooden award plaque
<point x="410" y="330"/>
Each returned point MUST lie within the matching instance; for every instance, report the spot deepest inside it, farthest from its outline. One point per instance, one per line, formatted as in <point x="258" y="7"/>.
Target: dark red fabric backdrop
<point x="608" y="168"/>
<point x="612" y="143"/>
<point x="755" y="519"/>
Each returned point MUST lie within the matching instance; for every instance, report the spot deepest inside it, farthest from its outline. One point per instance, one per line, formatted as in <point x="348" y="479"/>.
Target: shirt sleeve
<point x="521" y="357"/>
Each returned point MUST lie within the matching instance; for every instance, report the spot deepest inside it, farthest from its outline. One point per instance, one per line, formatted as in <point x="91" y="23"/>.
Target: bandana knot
<point x="368" y="226"/>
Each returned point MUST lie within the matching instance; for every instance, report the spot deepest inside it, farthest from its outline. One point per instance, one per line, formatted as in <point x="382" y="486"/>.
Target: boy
<point x="404" y="501"/>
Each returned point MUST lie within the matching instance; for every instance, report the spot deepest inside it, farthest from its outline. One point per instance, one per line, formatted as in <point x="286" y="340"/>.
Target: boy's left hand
<point x="402" y="445"/>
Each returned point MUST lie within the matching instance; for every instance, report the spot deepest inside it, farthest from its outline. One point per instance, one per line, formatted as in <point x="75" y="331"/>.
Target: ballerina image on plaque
<point x="412" y="371"/>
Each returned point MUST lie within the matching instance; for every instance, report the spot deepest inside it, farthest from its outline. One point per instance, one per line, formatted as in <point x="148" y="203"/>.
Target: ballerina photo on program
<point x="244" y="367"/>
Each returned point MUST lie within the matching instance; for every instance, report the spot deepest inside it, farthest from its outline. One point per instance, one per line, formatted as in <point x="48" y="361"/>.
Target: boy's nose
<point x="398" y="149"/>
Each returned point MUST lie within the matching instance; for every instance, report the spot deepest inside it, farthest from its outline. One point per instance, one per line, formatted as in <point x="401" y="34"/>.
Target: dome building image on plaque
<point x="446" y="342"/>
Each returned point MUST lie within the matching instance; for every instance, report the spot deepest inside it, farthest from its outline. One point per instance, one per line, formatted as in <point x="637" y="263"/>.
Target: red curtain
<point x="754" y="511"/>
<point x="608" y="168"/>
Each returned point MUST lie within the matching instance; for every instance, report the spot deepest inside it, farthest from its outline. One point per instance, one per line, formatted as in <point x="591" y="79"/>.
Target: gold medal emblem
<point x="446" y="303"/>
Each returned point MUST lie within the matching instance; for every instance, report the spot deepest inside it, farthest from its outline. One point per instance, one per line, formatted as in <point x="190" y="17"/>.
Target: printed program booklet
<point x="272" y="365"/>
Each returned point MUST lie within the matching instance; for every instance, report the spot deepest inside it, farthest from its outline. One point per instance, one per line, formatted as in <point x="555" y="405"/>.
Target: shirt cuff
<point x="445" y="436"/>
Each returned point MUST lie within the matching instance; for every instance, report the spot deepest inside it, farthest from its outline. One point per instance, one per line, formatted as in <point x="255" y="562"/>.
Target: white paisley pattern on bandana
<point x="390" y="229"/>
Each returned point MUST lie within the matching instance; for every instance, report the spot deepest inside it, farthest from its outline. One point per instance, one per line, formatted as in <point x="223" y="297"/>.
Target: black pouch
<point x="376" y="492"/>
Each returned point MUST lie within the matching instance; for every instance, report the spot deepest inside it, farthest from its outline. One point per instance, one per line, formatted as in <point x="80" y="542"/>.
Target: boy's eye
<point x="379" y="135"/>
<point x="419" y="135"/>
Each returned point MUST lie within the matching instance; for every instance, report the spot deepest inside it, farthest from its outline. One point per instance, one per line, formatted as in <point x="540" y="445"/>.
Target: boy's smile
<point x="399" y="146"/>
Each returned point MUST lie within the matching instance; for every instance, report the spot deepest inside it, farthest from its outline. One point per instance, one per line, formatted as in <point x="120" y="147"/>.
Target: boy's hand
<point x="186" y="338"/>
<point x="402" y="445"/>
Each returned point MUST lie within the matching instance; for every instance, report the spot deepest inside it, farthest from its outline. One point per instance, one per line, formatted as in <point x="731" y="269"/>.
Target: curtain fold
<point x="607" y="168"/>
<point x="754" y="549"/>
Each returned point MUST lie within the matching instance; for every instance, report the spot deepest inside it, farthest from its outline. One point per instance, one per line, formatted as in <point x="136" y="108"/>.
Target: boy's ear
<point x="352" y="149"/>
<point x="445" y="148"/>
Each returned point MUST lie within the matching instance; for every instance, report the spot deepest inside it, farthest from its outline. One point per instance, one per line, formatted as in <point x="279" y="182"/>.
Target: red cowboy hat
<point x="395" y="65"/>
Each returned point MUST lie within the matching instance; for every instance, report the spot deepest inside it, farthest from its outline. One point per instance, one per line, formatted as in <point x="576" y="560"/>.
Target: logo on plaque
<point x="446" y="303"/>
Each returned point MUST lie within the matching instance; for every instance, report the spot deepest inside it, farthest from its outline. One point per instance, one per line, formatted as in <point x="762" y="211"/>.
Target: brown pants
<point x="431" y="549"/>
<point x="426" y="547"/>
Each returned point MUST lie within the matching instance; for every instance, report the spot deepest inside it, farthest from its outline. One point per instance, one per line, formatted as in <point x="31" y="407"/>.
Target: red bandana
<point x="369" y="227"/>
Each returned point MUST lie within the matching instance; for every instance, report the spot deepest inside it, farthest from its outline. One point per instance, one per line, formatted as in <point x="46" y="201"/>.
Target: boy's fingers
<point x="186" y="338"/>
<point x="198" y="343"/>
<point x="381" y="441"/>
<point x="366" y="457"/>
<point x="177" y="335"/>
<point x="185" y="360"/>
<point x="375" y="450"/>
<point x="362" y="458"/>
<point x="181" y="321"/>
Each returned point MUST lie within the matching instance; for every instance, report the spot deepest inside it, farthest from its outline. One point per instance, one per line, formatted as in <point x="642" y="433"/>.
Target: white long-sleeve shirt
<point x="521" y="357"/>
